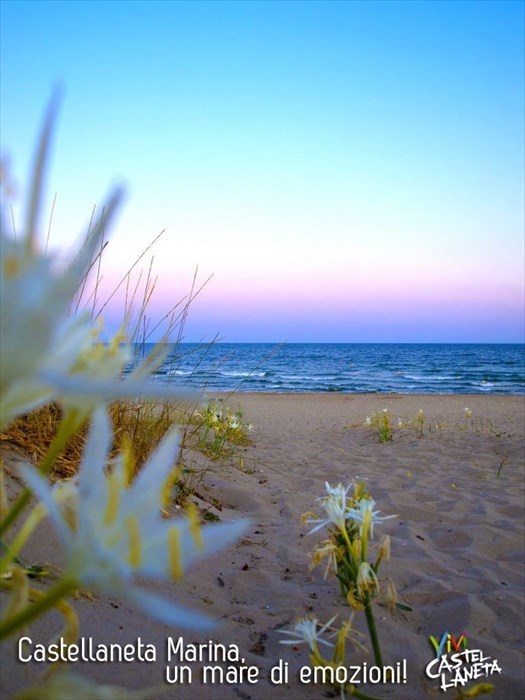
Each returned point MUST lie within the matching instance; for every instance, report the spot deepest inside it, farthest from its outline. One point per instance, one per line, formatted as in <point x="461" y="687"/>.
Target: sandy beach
<point x="457" y="548"/>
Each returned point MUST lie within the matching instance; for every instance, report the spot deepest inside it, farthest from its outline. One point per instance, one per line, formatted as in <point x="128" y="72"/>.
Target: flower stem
<point x="35" y="517"/>
<point x="48" y="600"/>
<point x="353" y="564"/>
<point x="372" y="630"/>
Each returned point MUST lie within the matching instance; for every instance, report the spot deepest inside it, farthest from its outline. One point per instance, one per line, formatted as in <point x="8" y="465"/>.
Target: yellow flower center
<point x="113" y="499"/>
<point x="11" y="266"/>
<point x="135" y="552"/>
<point x="174" y="559"/>
<point x="195" y="530"/>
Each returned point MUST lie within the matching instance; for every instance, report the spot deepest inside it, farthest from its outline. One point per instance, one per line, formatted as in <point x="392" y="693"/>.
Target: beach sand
<point x="456" y="552"/>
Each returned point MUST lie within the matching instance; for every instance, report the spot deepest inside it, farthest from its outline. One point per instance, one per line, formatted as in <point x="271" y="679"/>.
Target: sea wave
<point x="350" y="368"/>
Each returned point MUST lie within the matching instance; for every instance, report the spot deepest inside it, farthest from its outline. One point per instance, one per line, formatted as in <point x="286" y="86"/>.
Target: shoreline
<point x="456" y="545"/>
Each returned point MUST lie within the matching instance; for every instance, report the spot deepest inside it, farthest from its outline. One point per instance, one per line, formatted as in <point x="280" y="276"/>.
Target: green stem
<point x="364" y="541"/>
<point x="68" y="425"/>
<point x="48" y="600"/>
<point x="35" y="517"/>
<point x="372" y="630"/>
<point x="353" y="564"/>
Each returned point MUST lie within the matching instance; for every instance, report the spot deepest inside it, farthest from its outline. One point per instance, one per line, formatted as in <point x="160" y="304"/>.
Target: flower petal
<point x="164" y="610"/>
<point x="44" y="493"/>
<point x="214" y="537"/>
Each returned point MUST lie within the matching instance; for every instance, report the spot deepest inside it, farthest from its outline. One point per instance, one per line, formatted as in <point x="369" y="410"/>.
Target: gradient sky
<point x="346" y="171"/>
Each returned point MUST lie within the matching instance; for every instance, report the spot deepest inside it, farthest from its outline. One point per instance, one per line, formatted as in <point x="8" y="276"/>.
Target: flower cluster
<point x="219" y="426"/>
<point x="350" y="518"/>
<point x="381" y="423"/>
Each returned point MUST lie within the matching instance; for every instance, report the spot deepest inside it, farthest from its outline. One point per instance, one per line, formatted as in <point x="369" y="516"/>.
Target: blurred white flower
<point x="46" y="354"/>
<point x="306" y="631"/>
<point x="119" y="532"/>
<point x="36" y="292"/>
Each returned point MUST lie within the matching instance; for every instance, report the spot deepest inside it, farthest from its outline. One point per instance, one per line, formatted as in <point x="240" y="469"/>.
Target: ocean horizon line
<point x="336" y="342"/>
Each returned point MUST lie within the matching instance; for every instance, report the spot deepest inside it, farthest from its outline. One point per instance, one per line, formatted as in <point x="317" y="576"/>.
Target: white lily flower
<point x="119" y="532"/>
<point x="334" y="504"/>
<point x="233" y="422"/>
<point x="36" y="294"/>
<point x="364" y="513"/>
<point x="46" y="355"/>
<point x="339" y="492"/>
<point x="35" y="301"/>
<point x="305" y="631"/>
<point x="336" y="512"/>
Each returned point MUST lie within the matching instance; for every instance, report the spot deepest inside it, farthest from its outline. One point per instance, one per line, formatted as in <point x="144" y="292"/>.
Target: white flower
<point x="35" y="300"/>
<point x="336" y="515"/>
<point x="234" y="421"/>
<point x="45" y="354"/>
<point x="364" y="513"/>
<point x="334" y="504"/>
<point x="339" y="492"/>
<point x="36" y="293"/>
<point x="305" y="631"/>
<point x="119" y="532"/>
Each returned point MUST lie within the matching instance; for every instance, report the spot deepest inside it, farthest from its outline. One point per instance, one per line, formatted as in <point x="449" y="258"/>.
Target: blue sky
<point x="346" y="171"/>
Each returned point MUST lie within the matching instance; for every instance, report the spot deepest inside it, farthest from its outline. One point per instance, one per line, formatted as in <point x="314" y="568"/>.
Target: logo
<point x="455" y="664"/>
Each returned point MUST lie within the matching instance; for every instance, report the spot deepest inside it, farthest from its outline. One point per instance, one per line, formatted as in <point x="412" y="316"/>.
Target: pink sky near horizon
<point x="346" y="171"/>
<point x="352" y="308"/>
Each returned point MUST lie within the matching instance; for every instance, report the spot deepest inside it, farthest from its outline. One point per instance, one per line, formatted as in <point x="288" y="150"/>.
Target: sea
<point x="360" y="368"/>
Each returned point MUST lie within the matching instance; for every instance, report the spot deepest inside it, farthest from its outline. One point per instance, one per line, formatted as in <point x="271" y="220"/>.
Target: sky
<point x="344" y="171"/>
